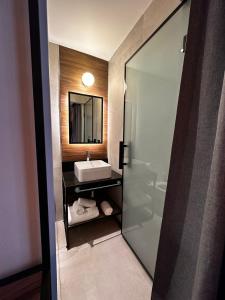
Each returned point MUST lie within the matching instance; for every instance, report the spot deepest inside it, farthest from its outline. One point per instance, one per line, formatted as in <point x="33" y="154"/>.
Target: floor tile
<point x="106" y="271"/>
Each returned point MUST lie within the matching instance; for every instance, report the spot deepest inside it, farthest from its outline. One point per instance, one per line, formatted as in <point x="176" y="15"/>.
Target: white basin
<point x="92" y="170"/>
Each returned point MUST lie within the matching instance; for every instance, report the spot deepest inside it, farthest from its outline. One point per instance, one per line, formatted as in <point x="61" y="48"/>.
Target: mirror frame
<point x="102" y="123"/>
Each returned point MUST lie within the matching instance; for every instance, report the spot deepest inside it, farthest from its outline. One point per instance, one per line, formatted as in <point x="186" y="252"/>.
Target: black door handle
<point x="121" y="155"/>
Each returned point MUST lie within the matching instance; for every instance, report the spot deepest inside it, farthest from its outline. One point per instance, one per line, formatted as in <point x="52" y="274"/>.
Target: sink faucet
<point x="88" y="155"/>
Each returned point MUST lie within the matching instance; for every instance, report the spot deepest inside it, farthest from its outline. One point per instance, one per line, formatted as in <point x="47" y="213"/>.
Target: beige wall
<point x="54" y="74"/>
<point x="20" y="245"/>
<point x="156" y="13"/>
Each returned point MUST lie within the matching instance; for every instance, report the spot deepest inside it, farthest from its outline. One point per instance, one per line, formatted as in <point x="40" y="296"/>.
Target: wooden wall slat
<point x="72" y="66"/>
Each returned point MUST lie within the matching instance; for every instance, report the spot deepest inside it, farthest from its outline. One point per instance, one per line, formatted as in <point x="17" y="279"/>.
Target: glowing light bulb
<point x="88" y="79"/>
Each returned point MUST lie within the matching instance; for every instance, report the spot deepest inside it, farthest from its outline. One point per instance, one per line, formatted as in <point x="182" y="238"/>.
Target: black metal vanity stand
<point x="73" y="189"/>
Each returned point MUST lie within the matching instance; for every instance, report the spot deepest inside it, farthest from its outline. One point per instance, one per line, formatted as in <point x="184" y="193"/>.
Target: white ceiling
<point x="96" y="27"/>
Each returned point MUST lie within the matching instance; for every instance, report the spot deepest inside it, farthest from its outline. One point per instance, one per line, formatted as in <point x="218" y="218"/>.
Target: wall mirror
<point x="85" y="119"/>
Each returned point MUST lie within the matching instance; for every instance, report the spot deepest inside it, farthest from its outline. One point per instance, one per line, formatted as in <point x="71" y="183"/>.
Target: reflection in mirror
<point x="85" y="119"/>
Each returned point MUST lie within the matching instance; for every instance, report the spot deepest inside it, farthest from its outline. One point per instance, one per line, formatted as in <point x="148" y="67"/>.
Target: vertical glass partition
<point x="153" y="78"/>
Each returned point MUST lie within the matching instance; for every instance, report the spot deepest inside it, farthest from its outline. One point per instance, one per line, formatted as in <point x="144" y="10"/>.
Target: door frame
<point x="42" y="114"/>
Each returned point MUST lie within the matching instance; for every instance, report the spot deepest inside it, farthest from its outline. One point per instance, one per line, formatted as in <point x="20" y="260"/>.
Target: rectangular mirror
<point x="85" y="119"/>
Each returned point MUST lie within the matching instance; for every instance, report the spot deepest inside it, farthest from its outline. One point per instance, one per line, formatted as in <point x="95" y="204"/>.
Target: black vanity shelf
<point x="73" y="189"/>
<point x="116" y="212"/>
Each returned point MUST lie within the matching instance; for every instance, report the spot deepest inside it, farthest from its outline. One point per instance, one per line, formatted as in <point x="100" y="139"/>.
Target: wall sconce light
<point x="88" y="79"/>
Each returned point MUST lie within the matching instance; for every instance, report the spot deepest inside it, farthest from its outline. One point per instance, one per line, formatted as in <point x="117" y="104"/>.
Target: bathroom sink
<point x="92" y="170"/>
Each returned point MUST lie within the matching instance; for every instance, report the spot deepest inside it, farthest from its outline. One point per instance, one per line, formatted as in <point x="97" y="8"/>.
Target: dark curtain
<point x="191" y="248"/>
<point x="76" y="123"/>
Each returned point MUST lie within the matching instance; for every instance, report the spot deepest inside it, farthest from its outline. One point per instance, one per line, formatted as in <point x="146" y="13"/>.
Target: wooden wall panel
<point x="72" y="66"/>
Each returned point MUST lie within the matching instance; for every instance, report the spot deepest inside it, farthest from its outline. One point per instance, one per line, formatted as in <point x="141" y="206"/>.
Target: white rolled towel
<point x="90" y="213"/>
<point x="106" y="208"/>
<point x="86" y="202"/>
<point x="80" y="210"/>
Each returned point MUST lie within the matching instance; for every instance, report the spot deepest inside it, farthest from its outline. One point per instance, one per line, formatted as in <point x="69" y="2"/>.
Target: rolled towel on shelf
<point x="86" y="202"/>
<point x="80" y="210"/>
<point x="90" y="213"/>
<point x="69" y="217"/>
<point x="106" y="208"/>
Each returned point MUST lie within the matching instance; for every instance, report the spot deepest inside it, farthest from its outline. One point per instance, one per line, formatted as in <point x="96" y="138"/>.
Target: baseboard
<point x="23" y="285"/>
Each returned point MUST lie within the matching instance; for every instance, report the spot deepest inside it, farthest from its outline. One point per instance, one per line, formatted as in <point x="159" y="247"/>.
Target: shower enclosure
<point x="153" y="78"/>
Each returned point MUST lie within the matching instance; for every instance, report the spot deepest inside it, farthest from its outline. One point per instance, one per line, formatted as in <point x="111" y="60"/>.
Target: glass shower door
<point x="153" y="80"/>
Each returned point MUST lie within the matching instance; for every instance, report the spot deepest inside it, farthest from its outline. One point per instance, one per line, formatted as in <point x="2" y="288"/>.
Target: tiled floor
<point x="107" y="271"/>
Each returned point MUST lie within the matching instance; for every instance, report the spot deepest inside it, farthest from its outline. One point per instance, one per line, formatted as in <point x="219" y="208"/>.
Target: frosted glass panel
<point x="153" y="80"/>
